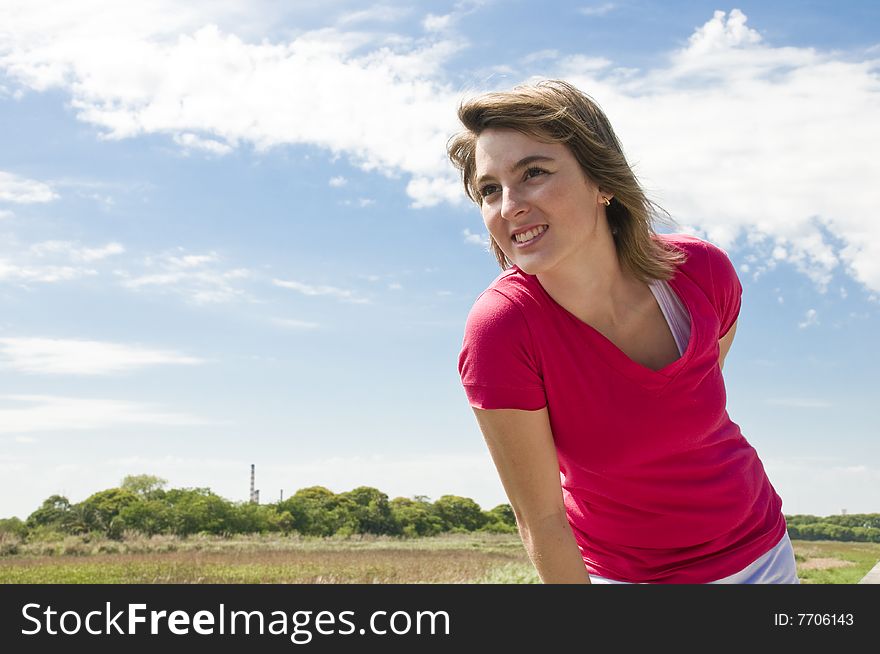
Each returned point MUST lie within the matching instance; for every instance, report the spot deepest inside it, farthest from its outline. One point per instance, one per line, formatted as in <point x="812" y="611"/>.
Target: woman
<point x="593" y="361"/>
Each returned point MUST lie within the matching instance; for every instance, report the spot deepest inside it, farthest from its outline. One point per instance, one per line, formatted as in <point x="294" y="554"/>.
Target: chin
<point x="528" y="267"/>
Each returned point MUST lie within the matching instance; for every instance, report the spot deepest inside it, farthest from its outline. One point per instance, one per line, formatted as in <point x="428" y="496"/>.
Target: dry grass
<point x="306" y="567"/>
<point x="824" y="564"/>
<point x="263" y="559"/>
<point x="135" y="543"/>
<point x="460" y="558"/>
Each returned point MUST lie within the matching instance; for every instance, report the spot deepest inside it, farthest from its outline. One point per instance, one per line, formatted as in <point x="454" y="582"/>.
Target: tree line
<point x="142" y="504"/>
<point x="861" y="527"/>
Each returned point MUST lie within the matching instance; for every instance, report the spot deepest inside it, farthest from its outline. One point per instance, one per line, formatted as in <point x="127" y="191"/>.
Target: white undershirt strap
<point x="674" y="311"/>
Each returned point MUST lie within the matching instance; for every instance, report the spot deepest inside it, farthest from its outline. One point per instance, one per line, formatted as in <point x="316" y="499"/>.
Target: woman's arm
<point x="521" y="445"/>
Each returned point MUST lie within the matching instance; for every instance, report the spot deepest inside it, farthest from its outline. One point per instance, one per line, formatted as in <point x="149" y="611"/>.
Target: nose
<point x="512" y="204"/>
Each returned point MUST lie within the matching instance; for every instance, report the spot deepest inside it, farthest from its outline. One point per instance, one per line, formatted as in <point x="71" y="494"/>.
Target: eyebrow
<point x="522" y="163"/>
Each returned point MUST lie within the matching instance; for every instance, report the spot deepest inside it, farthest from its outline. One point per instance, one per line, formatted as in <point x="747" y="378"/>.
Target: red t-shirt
<point x="659" y="484"/>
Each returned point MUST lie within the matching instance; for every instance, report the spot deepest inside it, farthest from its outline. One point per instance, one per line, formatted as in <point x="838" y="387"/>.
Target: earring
<point x="607" y="202"/>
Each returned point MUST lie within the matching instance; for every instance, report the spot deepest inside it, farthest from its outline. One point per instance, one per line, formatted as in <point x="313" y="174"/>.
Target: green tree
<point x="250" y="518"/>
<point x="459" y="513"/>
<point x="148" y="517"/>
<point x="78" y="519"/>
<point x="500" y="520"/>
<point x="102" y="508"/>
<point x="147" y="486"/>
<point x="369" y="511"/>
<point x="14" y="526"/>
<point x="283" y="521"/>
<point x="318" y="511"/>
<point x="416" y="517"/>
<point x="197" y="510"/>
<point x="53" y="512"/>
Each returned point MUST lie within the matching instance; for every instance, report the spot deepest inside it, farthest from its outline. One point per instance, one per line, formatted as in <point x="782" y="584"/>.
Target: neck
<point x="595" y="287"/>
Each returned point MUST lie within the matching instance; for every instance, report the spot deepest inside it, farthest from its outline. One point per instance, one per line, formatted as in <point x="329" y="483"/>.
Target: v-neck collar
<point x="617" y="359"/>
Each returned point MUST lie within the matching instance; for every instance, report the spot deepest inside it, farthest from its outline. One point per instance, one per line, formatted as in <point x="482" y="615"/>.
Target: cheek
<point x="491" y="218"/>
<point x="496" y="227"/>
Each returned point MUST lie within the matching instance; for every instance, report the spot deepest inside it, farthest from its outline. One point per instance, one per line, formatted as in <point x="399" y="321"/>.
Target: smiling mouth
<point x="529" y="236"/>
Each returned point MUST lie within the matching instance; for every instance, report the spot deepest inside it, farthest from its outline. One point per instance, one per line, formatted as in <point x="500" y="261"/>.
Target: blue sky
<point x="230" y="234"/>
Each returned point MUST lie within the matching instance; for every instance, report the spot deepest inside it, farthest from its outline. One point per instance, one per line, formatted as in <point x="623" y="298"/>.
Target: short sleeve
<point x="497" y="363"/>
<point x="726" y="287"/>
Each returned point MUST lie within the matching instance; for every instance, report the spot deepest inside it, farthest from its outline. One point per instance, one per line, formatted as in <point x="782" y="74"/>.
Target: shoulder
<point x="710" y="268"/>
<point x="507" y="299"/>
<point x="696" y="249"/>
<point x="705" y="260"/>
<point x="499" y="364"/>
<point x="502" y="318"/>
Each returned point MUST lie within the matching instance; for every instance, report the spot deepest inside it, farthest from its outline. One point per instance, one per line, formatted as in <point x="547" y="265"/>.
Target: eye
<point x="534" y="172"/>
<point x="488" y="189"/>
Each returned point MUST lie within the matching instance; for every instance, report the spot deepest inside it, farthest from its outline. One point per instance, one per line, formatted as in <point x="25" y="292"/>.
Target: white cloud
<point x="719" y="34"/>
<point x="736" y="136"/>
<point x="196" y="277"/>
<point x="375" y="14"/>
<point x="445" y="22"/>
<point x="731" y="134"/>
<point x="476" y="239"/>
<point x="360" y="203"/>
<point x="435" y="23"/>
<point x="5" y="213"/>
<point x="24" y="191"/>
<point x="598" y="10"/>
<point x="75" y="252"/>
<point x="811" y="317"/>
<point x="338" y="181"/>
<point x="53" y="356"/>
<point x="188" y="74"/>
<point x="312" y="290"/>
<point x="431" y="191"/>
<point x="52" y="261"/>
<point x="290" y="323"/>
<point x="11" y="271"/>
<point x="31" y="413"/>
<point x="193" y="142"/>
<point x="540" y="55"/>
<point x="95" y="254"/>
<point x="189" y="260"/>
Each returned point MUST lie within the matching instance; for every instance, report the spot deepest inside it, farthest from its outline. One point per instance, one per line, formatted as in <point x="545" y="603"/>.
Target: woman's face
<point x="538" y="205"/>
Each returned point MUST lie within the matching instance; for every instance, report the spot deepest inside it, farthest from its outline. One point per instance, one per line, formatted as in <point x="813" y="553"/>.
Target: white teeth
<point x="529" y="235"/>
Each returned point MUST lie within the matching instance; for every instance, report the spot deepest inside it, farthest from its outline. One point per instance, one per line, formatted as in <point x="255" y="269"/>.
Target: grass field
<point x="460" y="558"/>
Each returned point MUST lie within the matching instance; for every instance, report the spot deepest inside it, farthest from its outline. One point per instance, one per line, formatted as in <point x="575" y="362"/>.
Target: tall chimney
<point x="252" y="484"/>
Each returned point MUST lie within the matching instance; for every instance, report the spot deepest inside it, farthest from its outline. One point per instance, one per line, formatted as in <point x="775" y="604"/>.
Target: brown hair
<point x="554" y="111"/>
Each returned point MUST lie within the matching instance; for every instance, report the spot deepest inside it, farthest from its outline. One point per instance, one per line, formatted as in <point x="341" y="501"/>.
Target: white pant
<point x="775" y="567"/>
